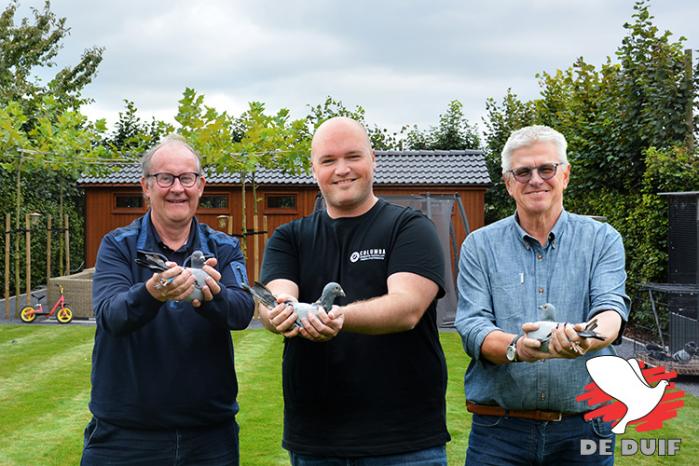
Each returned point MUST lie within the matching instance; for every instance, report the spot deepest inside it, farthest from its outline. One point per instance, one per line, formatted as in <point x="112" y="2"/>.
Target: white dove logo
<point x="623" y="380"/>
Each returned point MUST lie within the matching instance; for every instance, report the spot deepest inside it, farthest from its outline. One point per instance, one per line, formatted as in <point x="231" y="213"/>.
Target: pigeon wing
<point x="303" y="310"/>
<point x="261" y="294"/>
<point x="543" y="333"/>
<point x="151" y="260"/>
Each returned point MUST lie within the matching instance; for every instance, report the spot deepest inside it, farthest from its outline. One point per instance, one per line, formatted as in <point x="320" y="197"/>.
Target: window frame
<point x="117" y="209"/>
<point x="215" y="210"/>
<point x="281" y="210"/>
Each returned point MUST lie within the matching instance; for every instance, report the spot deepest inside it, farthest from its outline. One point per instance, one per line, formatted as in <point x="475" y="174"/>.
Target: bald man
<point x="367" y="379"/>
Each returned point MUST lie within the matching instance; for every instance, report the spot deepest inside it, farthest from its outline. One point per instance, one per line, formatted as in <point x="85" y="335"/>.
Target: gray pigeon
<point x="684" y="355"/>
<point x="196" y="264"/>
<point x="548" y="324"/>
<point x="330" y="292"/>
<point x="156" y="262"/>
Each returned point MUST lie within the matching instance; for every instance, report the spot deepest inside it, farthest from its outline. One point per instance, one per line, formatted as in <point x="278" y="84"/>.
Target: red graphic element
<point x="612" y="410"/>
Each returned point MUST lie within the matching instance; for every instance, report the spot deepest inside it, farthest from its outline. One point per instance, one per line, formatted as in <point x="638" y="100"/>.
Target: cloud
<point x="402" y="60"/>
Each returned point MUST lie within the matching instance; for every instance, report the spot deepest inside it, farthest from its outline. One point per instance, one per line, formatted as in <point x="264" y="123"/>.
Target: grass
<point x="45" y="383"/>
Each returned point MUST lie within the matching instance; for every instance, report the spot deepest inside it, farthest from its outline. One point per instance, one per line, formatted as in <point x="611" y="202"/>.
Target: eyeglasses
<point x="546" y="171"/>
<point x="165" y="180"/>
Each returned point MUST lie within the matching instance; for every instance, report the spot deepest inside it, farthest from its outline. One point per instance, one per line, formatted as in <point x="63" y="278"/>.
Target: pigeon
<point x="684" y="355"/>
<point x="657" y="352"/>
<point x="548" y="324"/>
<point x="196" y="266"/>
<point x="330" y="292"/>
<point x="156" y="262"/>
<point x="623" y="380"/>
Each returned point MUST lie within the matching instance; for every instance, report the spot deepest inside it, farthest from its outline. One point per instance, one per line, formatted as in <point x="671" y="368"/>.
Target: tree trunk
<point x="244" y="222"/>
<point x="18" y="207"/>
<point x="60" y="228"/>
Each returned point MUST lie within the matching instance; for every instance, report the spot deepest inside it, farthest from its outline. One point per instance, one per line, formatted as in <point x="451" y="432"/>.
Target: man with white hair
<point x="163" y="380"/>
<point x="522" y="397"/>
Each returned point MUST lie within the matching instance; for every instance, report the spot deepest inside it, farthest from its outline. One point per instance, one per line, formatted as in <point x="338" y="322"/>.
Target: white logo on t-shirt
<point x="368" y="255"/>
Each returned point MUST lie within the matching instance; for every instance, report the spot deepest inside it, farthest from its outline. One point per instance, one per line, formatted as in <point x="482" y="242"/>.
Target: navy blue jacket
<point x="164" y="365"/>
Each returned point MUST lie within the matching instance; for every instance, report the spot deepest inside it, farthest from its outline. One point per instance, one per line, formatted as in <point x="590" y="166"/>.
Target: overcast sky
<point x="402" y="60"/>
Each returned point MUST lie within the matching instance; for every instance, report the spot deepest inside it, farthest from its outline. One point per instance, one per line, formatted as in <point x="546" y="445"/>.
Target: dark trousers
<point x="107" y="444"/>
<point x="503" y="441"/>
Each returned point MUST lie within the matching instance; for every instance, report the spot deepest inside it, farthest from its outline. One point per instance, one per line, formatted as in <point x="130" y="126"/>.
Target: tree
<point x="131" y="136"/>
<point x="380" y="138"/>
<point x="51" y="154"/>
<point x="501" y="120"/>
<point x="243" y="145"/>
<point x="270" y="141"/>
<point x="628" y="135"/>
<point x="34" y="44"/>
<point x="454" y="132"/>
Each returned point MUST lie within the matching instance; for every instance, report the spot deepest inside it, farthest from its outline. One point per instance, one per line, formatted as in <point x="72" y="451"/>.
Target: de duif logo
<point x="630" y="394"/>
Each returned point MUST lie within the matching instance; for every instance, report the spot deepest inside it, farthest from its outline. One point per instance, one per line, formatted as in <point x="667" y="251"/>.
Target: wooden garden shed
<point x="115" y="199"/>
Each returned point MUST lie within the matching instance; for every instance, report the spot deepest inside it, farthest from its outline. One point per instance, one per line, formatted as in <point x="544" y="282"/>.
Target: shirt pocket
<point x="508" y="296"/>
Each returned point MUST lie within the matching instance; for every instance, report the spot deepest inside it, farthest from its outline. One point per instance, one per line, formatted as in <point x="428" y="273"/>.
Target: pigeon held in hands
<point x="331" y="291"/>
<point x="156" y="262"/>
<point x="548" y="324"/>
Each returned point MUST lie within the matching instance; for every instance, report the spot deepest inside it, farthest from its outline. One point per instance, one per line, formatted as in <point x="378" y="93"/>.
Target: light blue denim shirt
<point x="505" y="275"/>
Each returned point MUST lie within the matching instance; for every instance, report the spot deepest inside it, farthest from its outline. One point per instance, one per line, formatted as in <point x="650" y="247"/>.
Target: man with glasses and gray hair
<point x="522" y="392"/>
<point x="163" y="380"/>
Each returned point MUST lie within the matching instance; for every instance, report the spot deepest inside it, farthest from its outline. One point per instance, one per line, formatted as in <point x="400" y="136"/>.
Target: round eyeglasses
<point x="165" y="180"/>
<point x="546" y="171"/>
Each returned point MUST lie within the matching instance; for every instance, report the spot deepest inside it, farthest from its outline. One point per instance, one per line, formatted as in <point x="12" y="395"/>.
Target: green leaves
<point x="34" y="44"/>
<point x="628" y="132"/>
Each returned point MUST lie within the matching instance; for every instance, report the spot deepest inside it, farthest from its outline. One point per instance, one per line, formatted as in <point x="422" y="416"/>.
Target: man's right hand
<point x="174" y="284"/>
<point x="282" y="318"/>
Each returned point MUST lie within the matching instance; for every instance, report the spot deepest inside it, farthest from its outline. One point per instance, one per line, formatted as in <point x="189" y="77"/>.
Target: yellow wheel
<point x="64" y="315"/>
<point x="27" y="314"/>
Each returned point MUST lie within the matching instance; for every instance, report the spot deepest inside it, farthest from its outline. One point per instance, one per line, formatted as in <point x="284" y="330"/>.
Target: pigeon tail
<point x="261" y="294"/>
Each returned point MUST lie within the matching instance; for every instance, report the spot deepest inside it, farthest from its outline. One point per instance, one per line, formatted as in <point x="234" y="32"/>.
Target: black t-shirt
<point x="361" y="395"/>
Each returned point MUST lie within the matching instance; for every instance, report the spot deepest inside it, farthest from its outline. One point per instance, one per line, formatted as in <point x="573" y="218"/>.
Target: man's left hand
<point x="212" y="287"/>
<point x="566" y="343"/>
<point x="322" y="326"/>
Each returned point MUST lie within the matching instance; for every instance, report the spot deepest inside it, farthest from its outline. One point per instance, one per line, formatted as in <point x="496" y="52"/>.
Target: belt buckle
<point x="559" y="417"/>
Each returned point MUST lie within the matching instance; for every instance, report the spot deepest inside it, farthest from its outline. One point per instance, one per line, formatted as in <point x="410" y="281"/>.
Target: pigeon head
<point x="330" y="292"/>
<point x="197" y="260"/>
<point x="548" y="311"/>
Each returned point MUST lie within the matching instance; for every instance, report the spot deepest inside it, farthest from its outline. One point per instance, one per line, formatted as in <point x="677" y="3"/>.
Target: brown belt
<point x="533" y="414"/>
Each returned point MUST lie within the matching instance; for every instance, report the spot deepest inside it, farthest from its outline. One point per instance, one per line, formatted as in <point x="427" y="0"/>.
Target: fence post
<point x="49" y="221"/>
<point x="256" y="248"/>
<point x="28" y="257"/>
<point x="8" y="226"/>
<point x="67" y="233"/>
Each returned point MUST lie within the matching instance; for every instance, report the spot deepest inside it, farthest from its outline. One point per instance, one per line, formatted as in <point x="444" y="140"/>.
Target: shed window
<point x="129" y="201"/>
<point x="281" y="201"/>
<point x="214" y="201"/>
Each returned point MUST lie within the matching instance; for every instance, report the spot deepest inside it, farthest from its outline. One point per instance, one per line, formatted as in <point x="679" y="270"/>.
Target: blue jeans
<point x="510" y="441"/>
<point x="106" y="443"/>
<point x="436" y="456"/>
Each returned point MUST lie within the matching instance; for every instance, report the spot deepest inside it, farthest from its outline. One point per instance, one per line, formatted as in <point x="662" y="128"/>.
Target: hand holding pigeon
<point x="331" y="291"/>
<point x="196" y="283"/>
<point x="544" y="331"/>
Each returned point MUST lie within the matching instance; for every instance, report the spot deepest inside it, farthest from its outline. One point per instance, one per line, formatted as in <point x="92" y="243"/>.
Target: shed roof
<point x="445" y="167"/>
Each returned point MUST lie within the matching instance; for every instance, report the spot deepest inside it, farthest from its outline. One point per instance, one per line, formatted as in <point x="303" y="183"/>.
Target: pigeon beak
<point x="342" y="293"/>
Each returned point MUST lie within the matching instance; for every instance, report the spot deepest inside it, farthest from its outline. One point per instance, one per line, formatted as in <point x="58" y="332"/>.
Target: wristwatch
<point x="511" y="352"/>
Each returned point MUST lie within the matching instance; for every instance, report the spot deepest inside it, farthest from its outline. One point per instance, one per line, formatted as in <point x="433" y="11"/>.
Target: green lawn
<point x="44" y="390"/>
